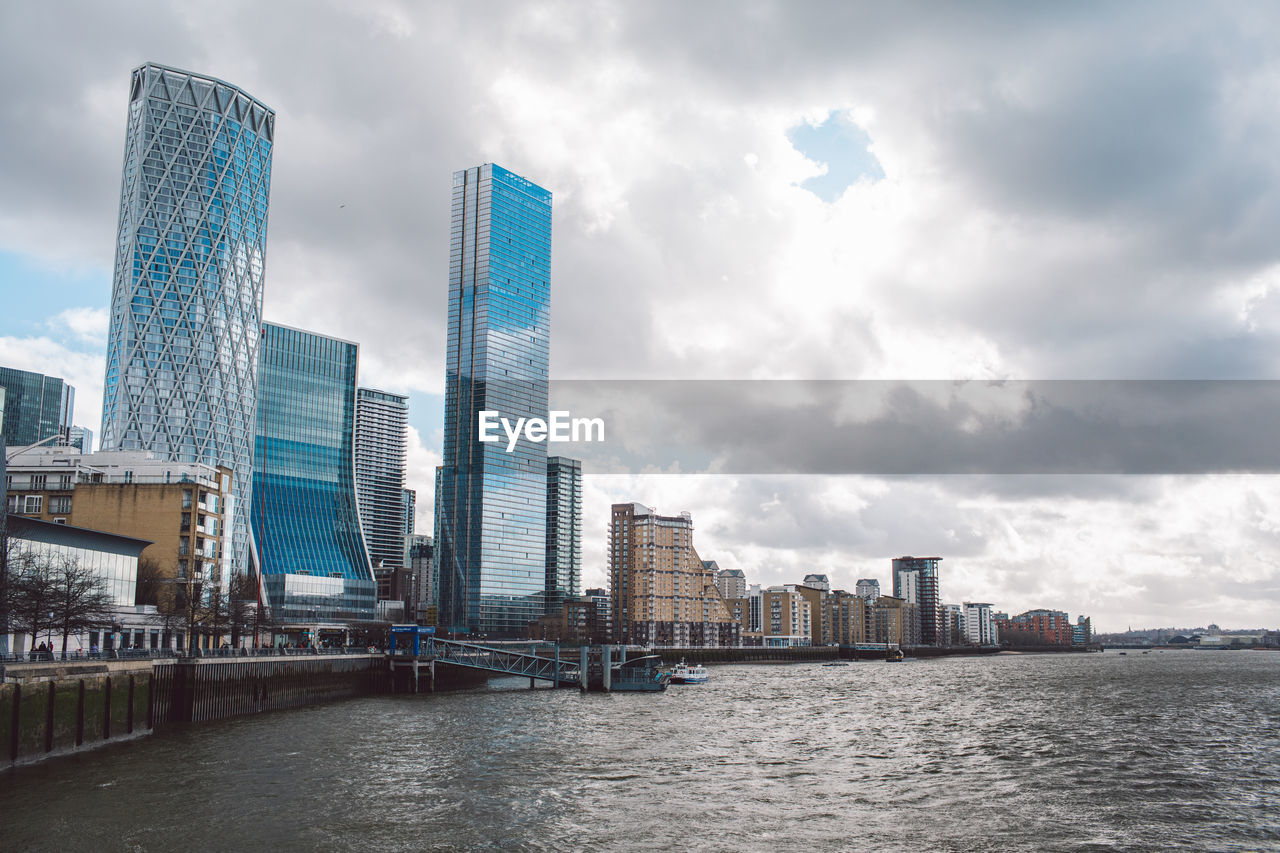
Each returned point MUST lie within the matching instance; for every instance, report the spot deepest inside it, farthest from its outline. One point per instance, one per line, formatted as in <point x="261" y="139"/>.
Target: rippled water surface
<point x="1170" y="750"/>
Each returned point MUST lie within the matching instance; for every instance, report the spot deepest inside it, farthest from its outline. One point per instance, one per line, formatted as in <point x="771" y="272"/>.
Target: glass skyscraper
<point x="915" y="579"/>
<point x="564" y="531"/>
<point x="38" y="407"/>
<point x="312" y="556"/>
<point x="382" y="419"/>
<point x="491" y="505"/>
<point x="186" y="303"/>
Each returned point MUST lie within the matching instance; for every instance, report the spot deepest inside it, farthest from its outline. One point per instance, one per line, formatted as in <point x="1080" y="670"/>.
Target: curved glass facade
<point x="306" y="526"/>
<point x="491" y="516"/>
<point x="182" y="352"/>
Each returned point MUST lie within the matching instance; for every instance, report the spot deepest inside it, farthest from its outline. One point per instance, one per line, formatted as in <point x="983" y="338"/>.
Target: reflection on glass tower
<point x="491" y="504"/>
<point x="313" y="559"/>
<point x="182" y="352"/>
<point x="38" y="408"/>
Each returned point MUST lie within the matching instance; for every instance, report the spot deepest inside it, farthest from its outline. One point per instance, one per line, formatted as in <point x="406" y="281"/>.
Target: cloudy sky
<point x="746" y="190"/>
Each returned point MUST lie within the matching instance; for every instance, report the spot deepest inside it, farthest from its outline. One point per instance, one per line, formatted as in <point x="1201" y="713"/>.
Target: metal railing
<point x="505" y="661"/>
<point x="147" y="654"/>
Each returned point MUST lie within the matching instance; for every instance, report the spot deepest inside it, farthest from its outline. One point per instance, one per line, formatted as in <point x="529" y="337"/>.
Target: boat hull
<point x="638" y="686"/>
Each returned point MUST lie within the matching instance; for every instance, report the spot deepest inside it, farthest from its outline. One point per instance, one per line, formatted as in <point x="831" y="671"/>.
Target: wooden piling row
<point x="196" y="691"/>
<point x="62" y="714"/>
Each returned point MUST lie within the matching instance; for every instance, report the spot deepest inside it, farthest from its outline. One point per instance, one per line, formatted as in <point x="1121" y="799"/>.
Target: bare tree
<point x="11" y="558"/>
<point x="31" y="594"/>
<point x="49" y="593"/>
<point x="80" y="599"/>
<point x="157" y="588"/>
<point x="215" y="616"/>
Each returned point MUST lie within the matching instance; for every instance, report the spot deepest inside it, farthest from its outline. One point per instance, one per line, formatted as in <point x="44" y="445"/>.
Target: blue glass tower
<point x="306" y="526"/>
<point x="186" y="302"/>
<point x="491" y="504"/>
<point x="38" y="407"/>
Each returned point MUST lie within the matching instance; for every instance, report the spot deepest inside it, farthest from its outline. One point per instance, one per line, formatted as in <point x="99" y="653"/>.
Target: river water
<point x="1168" y="750"/>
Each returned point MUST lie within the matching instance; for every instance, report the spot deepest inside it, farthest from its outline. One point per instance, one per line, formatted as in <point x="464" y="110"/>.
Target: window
<point x="33" y="504"/>
<point x="64" y="482"/>
<point x="38" y="481"/>
<point x="60" y="505"/>
<point x="186" y="499"/>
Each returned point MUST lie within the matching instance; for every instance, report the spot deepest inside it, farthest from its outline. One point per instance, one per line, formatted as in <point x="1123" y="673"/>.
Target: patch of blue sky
<point x="842" y="147"/>
<point x="426" y="415"/>
<point x="31" y="294"/>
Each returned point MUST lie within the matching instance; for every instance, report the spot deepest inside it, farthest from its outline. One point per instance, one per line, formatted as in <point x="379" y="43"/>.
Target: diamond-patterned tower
<point x="186" y="303"/>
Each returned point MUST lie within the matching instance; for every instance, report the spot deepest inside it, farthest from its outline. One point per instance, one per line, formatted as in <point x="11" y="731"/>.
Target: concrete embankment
<point x="57" y="708"/>
<point x="49" y="709"/>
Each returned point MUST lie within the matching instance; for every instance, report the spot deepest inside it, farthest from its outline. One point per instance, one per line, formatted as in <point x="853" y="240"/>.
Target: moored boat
<point x="685" y="673"/>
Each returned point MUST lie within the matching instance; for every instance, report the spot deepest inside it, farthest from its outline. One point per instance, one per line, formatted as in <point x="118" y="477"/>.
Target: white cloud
<point x="420" y="475"/>
<point x="87" y="325"/>
<point x="84" y="371"/>
<point x="1066" y="195"/>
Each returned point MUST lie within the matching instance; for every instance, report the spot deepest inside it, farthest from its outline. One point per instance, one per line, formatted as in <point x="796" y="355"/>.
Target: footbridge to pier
<point x="506" y="661"/>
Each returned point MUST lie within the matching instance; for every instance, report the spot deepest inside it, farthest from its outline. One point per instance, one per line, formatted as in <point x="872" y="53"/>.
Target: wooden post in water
<point x="584" y="658"/>
<point x="555" y="673"/>
<point x="606" y="662"/>
<point x="533" y="650"/>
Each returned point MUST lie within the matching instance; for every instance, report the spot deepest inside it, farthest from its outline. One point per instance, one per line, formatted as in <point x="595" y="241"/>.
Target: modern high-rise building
<point x="819" y="614"/>
<point x="80" y="438"/>
<point x="491" y="503"/>
<point x="382" y="422"/>
<point x="311" y="553"/>
<point x="979" y="627"/>
<point x="410" y="513"/>
<point x="955" y="630"/>
<point x="422" y="566"/>
<point x="661" y="592"/>
<point x="915" y="580"/>
<point x="38" y="407"/>
<point x="787" y="617"/>
<point x="892" y="620"/>
<point x="602" y="629"/>
<point x="564" y="531"/>
<point x="186" y="298"/>
<point x="847" y="616"/>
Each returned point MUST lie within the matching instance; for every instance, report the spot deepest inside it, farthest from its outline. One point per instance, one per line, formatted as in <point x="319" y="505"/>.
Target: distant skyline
<point x="764" y="190"/>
